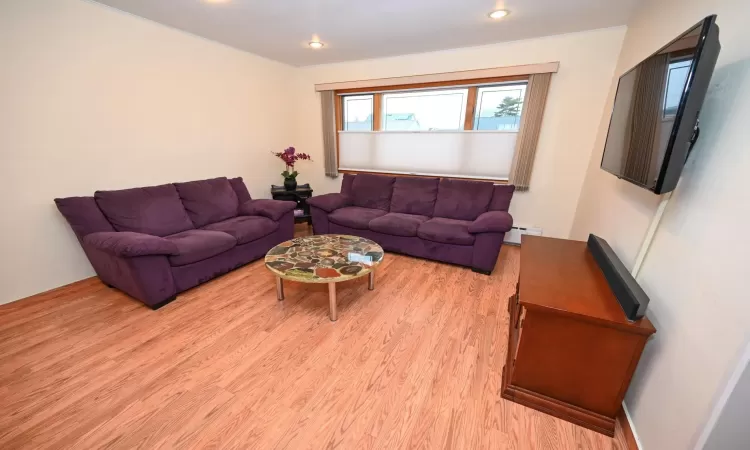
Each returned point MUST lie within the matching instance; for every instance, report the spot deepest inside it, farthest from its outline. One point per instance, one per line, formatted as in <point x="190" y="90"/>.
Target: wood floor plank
<point x="414" y="364"/>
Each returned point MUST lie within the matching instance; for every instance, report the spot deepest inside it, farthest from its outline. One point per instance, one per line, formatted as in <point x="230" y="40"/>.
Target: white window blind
<point x="460" y="154"/>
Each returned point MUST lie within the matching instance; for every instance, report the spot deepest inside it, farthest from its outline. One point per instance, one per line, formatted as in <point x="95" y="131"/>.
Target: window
<point x="452" y="130"/>
<point x="499" y="107"/>
<point x="424" y="110"/>
<point x="358" y="113"/>
<point x="677" y="74"/>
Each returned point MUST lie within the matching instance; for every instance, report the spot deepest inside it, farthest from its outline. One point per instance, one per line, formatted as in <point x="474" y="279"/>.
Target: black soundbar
<point x="630" y="295"/>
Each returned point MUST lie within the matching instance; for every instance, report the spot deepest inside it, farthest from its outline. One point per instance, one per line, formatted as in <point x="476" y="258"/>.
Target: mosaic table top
<point x="324" y="258"/>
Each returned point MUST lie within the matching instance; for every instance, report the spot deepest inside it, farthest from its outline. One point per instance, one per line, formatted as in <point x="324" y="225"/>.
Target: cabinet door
<point x="519" y="331"/>
<point x="513" y="300"/>
<point x="515" y="311"/>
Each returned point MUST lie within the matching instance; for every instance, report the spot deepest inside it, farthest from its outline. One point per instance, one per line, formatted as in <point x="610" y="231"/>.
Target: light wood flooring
<point x="416" y="363"/>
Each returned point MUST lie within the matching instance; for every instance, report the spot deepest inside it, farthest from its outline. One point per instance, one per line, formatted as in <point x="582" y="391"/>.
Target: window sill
<point x="404" y="174"/>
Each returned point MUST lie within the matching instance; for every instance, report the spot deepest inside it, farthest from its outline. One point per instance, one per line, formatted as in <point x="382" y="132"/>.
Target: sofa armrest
<point x="492" y="222"/>
<point x="146" y="278"/>
<point x="330" y="202"/>
<point x="273" y="209"/>
<point x="127" y="244"/>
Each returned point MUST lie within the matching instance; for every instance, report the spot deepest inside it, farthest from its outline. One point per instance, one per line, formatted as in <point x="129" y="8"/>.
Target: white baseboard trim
<point x="632" y="426"/>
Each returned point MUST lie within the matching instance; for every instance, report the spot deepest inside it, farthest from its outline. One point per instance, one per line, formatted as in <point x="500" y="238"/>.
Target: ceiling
<point x="359" y="29"/>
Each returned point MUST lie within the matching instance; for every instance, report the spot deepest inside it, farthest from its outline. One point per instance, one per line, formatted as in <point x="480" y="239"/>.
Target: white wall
<point x="576" y="100"/>
<point x="92" y="98"/>
<point x="697" y="269"/>
<point x="730" y="430"/>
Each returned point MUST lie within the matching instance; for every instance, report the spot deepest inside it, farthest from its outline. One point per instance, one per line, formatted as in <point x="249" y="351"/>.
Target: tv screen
<point x="655" y="114"/>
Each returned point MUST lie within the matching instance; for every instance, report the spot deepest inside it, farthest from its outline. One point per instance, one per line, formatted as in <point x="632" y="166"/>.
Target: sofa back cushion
<point x="155" y="210"/>
<point x="346" y="183"/>
<point x="412" y="195"/>
<point x="243" y="195"/>
<point x="83" y="215"/>
<point x="372" y="191"/>
<point x="208" y="201"/>
<point x="501" y="195"/>
<point x="462" y="199"/>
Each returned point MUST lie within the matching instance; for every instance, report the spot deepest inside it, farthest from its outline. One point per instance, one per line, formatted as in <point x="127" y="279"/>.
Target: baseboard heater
<point x="513" y="237"/>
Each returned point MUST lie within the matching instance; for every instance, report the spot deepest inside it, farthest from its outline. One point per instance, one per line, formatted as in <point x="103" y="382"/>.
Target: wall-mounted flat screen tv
<point x="654" y="120"/>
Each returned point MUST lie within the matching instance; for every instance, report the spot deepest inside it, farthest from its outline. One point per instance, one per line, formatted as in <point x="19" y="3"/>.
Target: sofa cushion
<point x="412" y="195"/>
<point x="446" y="231"/>
<point x="197" y="245"/>
<point x="240" y="189"/>
<point x="501" y="195"/>
<point x="346" y="183"/>
<point x="372" y="191"/>
<point x="462" y="199"/>
<point x="398" y="224"/>
<point x="273" y="209"/>
<point x="330" y="202"/>
<point x="208" y="201"/>
<point x="155" y="210"/>
<point x="355" y="216"/>
<point x="83" y="215"/>
<point x="245" y="228"/>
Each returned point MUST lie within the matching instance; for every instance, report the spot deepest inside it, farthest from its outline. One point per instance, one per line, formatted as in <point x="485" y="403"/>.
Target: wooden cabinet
<point x="571" y="350"/>
<point x="299" y="196"/>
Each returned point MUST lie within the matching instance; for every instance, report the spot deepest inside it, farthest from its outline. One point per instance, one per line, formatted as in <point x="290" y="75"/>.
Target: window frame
<point x="377" y="102"/>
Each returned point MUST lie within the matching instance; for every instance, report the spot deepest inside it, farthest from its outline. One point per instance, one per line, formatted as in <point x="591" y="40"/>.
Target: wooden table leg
<point x="371" y="284"/>
<point x="279" y="288"/>
<point x="332" y="302"/>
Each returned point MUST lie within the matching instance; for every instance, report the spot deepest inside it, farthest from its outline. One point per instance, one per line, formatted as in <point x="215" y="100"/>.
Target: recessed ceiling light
<point x="315" y="44"/>
<point x="499" y="14"/>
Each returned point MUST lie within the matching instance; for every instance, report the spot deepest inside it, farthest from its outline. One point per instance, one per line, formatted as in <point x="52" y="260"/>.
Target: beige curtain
<point x="328" y="109"/>
<point x="645" y="119"/>
<point x="528" y="134"/>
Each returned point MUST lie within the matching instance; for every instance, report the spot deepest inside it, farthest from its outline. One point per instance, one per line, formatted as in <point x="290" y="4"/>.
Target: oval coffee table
<point x="326" y="258"/>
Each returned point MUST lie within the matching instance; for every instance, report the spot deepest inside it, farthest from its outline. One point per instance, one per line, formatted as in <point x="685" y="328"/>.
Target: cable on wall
<point x="650" y="233"/>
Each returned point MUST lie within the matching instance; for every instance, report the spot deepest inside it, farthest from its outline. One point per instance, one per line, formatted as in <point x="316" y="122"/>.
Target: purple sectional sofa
<point x="154" y="242"/>
<point x="454" y="221"/>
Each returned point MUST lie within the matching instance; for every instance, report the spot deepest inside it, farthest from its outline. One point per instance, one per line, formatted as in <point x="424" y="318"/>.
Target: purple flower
<point x="290" y="157"/>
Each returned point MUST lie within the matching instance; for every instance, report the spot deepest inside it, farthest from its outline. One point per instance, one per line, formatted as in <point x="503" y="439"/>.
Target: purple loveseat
<point x="154" y="242"/>
<point x="454" y="221"/>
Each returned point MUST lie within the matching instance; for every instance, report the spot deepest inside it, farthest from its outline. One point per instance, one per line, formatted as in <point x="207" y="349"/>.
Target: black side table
<point x="300" y="196"/>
